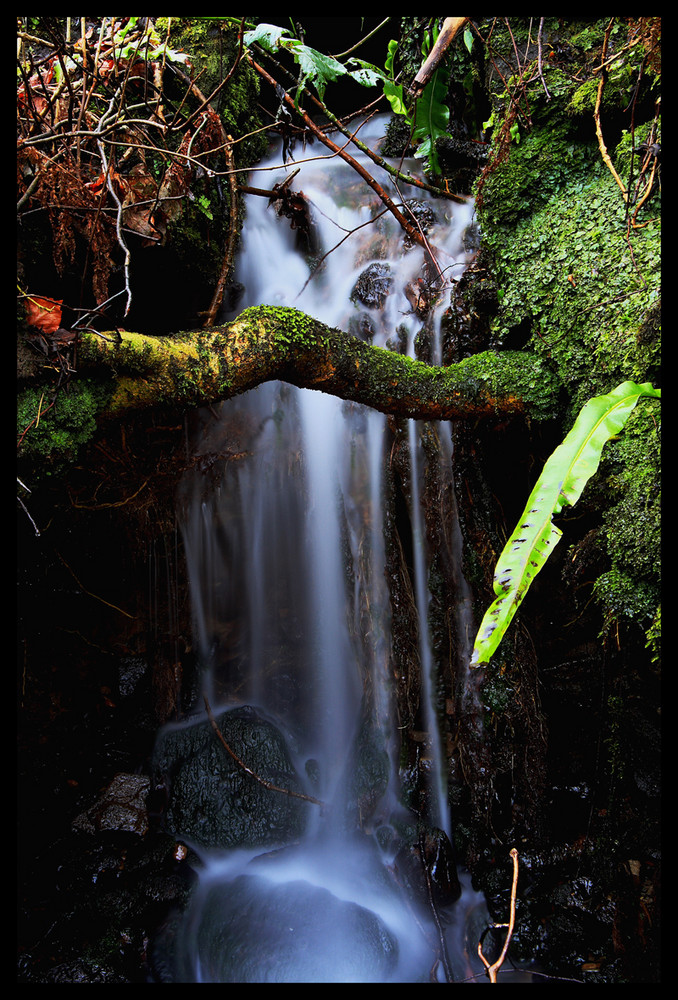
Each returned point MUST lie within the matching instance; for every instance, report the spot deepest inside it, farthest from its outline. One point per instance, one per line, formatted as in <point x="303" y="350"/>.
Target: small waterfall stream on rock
<point x="284" y="533"/>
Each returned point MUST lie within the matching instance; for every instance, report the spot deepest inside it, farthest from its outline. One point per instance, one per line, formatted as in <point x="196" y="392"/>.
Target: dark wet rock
<point x="214" y="802"/>
<point x="82" y="971"/>
<point x="131" y="669"/>
<point x="398" y="139"/>
<point x="442" y="867"/>
<point x="369" y="776"/>
<point x="373" y="285"/>
<point x="418" y="294"/>
<point x="259" y="931"/>
<point x="362" y="327"/>
<point x="423" y="216"/>
<point x="430" y="864"/>
<point x="122" y="806"/>
<point x="471" y="238"/>
<point x="461" y="159"/>
<point x="111" y="893"/>
<point x="423" y="213"/>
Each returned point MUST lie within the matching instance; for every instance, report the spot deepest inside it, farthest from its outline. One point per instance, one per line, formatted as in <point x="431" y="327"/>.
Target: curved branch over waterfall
<point x="266" y="343"/>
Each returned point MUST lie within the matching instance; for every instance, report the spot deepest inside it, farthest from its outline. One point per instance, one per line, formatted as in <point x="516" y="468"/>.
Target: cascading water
<point x="287" y="567"/>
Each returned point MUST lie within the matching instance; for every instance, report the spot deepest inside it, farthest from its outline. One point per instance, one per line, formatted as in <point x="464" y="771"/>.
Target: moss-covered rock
<point x="575" y="261"/>
<point x="57" y="432"/>
<point x="577" y="268"/>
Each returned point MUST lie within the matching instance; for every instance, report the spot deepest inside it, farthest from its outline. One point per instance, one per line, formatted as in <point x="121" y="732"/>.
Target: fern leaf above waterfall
<point x="561" y="484"/>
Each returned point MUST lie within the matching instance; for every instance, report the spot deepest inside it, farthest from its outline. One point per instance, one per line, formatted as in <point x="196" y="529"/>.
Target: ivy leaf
<point x="365" y="73"/>
<point x="561" y="483"/>
<point x="266" y="35"/>
<point x="316" y="67"/>
<point x="389" y="65"/>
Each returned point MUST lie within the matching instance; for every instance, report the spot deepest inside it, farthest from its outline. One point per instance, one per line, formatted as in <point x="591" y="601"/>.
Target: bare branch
<point x="248" y="770"/>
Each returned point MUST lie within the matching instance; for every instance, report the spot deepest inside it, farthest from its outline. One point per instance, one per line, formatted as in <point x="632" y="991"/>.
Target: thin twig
<point x="25" y="508"/>
<point x="370" y="153"/>
<point x="109" y="183"/>
<point x="539" y="58"/>
<point x="90" y="594"/>
<point x="229" y="254"/>
<point x="362" y="41"/>
<point x="105" y="506"/>
<point x="434" y="910"/>
<point x="451" y="25"/>
<point x="493" y="969"/>
<point x="248" y="770"/>
<point x="596" y="117"/>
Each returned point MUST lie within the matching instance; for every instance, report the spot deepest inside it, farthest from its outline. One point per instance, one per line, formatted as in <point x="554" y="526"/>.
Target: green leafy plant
<point x="203" y="203"/>
<point x="151" y="45"/>
<point x="561" y="484"/>
<point x="316" y="68"/>
<point x="428" y="118"/>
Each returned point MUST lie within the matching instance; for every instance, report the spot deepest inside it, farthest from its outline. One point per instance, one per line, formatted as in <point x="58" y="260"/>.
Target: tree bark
<point x="266" y="343"/>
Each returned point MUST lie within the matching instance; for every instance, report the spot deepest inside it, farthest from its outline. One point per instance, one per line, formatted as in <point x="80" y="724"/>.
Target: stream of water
<point x="287" y="566"/>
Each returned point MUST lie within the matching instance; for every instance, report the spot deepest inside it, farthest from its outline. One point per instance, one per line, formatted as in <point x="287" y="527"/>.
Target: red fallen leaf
<point x="44" y="313"/>
<point x="99" y="183"/>
<point x="96" y="185"/>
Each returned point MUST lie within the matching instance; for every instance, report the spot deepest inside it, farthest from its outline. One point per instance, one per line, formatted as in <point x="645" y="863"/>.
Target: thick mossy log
<point x="266" y="343"/>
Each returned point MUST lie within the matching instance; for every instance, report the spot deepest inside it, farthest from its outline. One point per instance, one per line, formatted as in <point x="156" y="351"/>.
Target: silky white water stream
<point x="286" y="554"/>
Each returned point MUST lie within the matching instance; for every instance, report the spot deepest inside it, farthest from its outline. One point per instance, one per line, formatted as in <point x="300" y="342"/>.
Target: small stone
<point x="122" y="806"/>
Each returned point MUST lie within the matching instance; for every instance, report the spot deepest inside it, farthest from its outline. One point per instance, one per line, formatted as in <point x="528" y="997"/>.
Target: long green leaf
<point x="561" y="483"/>
<point x="432" y="117"/>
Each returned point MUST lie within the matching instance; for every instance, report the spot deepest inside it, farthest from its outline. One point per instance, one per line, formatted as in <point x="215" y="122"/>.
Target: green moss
<point x="286" y="326"/>
<point x="58" y="432"/>
<point x="654" y="636"/>
<point x="622" y="596"/>
<point x="497" y="690"/>
<point x="578" y="279"/>
<point x="537" y="167"/>
<point x="213" y="47"/>
<point x="570" y="270"/>
<point x="632" y="522"/>
<point x="134" y="354"/>
<point x="584" y="98"/>
<point x="513" y="373"/>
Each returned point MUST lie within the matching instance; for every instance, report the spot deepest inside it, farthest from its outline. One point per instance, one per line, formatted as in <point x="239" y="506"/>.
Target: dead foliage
<point x="102" y="150"/>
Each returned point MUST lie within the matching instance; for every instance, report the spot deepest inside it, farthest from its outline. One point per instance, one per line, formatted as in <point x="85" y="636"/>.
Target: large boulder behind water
<point x="212" y="801"/>
<point x="254" y="930"/>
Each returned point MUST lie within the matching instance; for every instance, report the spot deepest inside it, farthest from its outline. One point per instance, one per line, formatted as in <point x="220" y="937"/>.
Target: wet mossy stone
<point x="213" y="802"/>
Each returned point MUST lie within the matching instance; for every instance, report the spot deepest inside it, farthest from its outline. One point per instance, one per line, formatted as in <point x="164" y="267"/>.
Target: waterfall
<point x="286" y="560"/>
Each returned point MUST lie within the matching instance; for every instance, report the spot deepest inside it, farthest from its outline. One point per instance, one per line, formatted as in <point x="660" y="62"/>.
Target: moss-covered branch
<point x="266" y="343"/>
